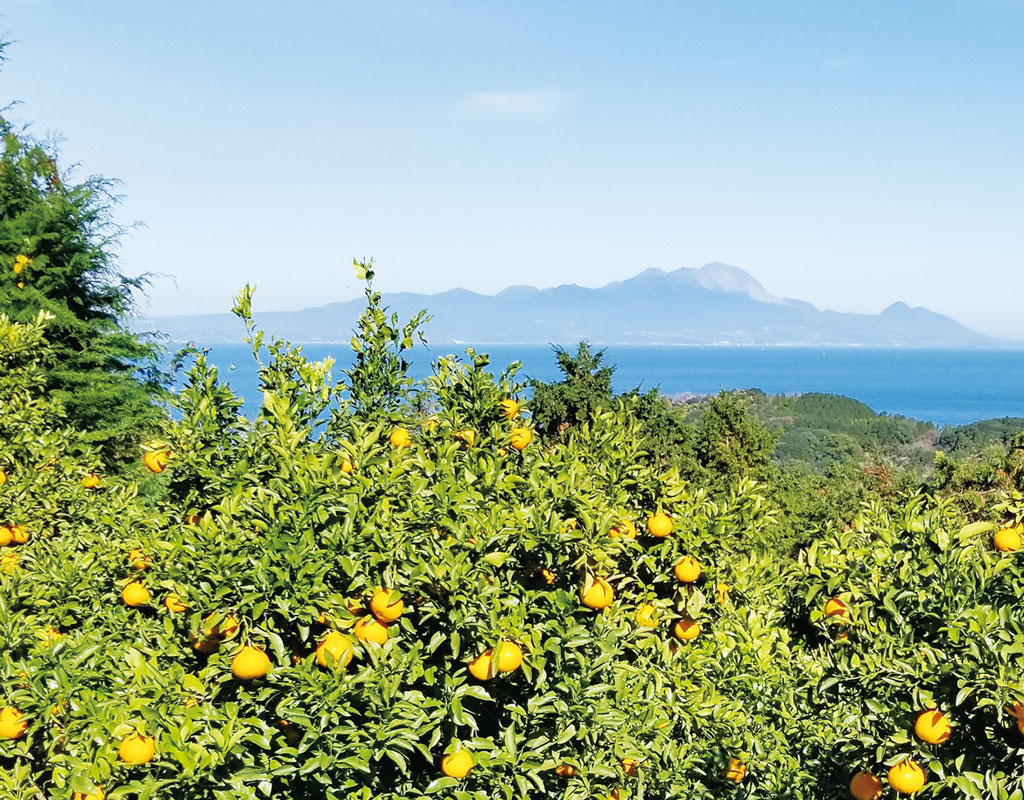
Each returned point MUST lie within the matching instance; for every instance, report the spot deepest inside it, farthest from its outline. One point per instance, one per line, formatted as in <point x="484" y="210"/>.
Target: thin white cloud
<point x="839" y="62"/>
<point x="519" y="103"/>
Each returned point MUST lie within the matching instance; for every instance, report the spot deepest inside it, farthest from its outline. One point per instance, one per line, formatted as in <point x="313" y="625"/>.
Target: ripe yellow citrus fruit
<point x="509" y="408"/>
<point x="686" y="629"/>
<point x="334" y="651"/>
<point x="906" y="777"/>
<point x="722" y="591"/>
<point x="510" y="657"/>
<point x="520" y="438"/>
<point x="467" y="437"/>
<point x="1007" y="540"/>
<point x="599" y="595"/>
<point x="156" y="460"/>
<point x="249" y="664"/>
<point x="48" y="637"/>
<point x="386" y="605"/>
<point x="136" y="749"/>
<point x="626" y="529"/>
<point x="138" y="559"/>
<point x="457" y="765"/>
<point x="174" y="604"/>
<point x="548" y="576"/>
<point x="646" y="616"/>
<point x="12" y="723"/>
<point x="736" y="771"/>
<point x="480" y="667"/>
<point x="837" y="608"/>
<point x="687" y="569"/>
<point x="6" y="536"/>
<point x="91" y="481"/>
<point x="99" y="794"/>
<point x="565" y="770"/>
<point x="8" y="563"/>
<point x="19" y="533"/>
<point x="659" y="525"/>
<point x="932" y="726"/>
<point x="866" y="786"/>
<point x="3" y="477"/>
<point x="135" y="595"/>
<point x="347" y="467"/>
<point x="369" y="630"/>
<point x="226" y="628"/>
<point x="630" y="766"/>
<point x="400" y="438"/>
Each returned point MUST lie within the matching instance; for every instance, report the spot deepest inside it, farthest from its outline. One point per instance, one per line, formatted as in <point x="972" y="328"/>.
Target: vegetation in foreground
<point x="385" y="590"/>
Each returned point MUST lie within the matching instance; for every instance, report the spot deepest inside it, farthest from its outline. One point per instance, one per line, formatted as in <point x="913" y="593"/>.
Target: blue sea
<point x="946" y="387"/>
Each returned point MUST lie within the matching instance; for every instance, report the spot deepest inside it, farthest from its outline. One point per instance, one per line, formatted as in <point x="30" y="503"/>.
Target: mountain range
<point x="716" y="304"/>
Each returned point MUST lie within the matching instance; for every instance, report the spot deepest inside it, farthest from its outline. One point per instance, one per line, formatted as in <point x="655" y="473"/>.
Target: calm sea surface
<point x="947" y="387"/>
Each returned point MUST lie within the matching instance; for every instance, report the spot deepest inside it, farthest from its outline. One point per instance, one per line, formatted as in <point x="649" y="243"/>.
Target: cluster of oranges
<point x="907" y="776"/>
<point x="597" y="593"/>
<point x="21" y="262"/>
<point x="519" y="439"/>
<point x="13" y="534"/>
<point x="136" y="748"/>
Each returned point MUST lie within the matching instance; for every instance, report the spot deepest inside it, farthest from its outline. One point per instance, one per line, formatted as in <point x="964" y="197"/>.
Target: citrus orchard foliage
<point x="379" y="590"/>
<point x="926" y="663"/>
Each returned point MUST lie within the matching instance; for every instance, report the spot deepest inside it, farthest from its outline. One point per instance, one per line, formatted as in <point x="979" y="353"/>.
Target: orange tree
<point x="917" y="621"/>
<point x="346" y="598"/>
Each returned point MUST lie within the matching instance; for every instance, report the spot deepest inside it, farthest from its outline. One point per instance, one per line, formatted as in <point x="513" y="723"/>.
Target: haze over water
<point x="946" y="387"/>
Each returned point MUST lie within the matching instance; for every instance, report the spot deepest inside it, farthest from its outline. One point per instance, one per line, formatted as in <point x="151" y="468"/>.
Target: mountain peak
<point x="725" y="278"/>
<point x="713" y="304"/>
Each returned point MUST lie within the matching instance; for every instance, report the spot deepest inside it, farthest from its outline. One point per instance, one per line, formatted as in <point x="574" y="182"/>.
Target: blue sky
<point x="849" y="154"/>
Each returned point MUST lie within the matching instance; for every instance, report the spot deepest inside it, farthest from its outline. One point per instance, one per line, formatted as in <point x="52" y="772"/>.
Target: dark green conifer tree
<point x="57" y="253"/>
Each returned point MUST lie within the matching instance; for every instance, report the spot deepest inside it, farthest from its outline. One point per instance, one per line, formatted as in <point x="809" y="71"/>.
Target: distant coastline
<point x="926" y="384"/>
<point x="997" y="345"/>
<point x="717" y="305"/>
